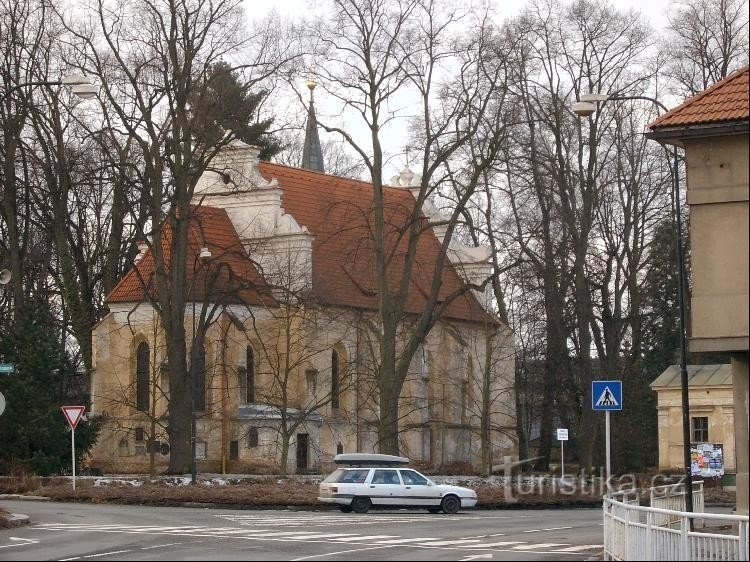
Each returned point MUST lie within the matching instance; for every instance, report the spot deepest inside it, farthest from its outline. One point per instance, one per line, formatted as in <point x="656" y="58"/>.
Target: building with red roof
<point x="712" y="127"/>
<point x="287" y="281"/>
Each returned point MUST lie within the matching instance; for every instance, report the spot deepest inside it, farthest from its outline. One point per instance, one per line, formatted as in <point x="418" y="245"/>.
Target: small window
<point x="124" y="448"/>
<point x="335" y="380"/>
<point x="700" y="430"/>
<point x="140" y="434"/>
<point x="252" y="437"/>
<point x="339" y="448"/>
<point x="142" y="359"/>
<point x="250" y="376"/>
<point x="234" y="450"/>
<point x="200" y="450"/>
<point x="311" y="376"/>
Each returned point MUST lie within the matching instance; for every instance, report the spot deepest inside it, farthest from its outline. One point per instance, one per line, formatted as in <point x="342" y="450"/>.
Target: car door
<point x="386" y="487"/>
<point x="418" y="490"/>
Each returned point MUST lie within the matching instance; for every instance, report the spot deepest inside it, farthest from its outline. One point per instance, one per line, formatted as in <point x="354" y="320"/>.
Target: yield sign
<point x="73" y="414"/>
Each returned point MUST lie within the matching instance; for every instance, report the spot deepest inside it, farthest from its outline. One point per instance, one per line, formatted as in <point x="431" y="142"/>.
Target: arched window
<point x="142" y="360"/>
<point x="252" y="437"/>
<point x="199" y="384"/>
<point x="335" y="384"/>
<point x="250" y="376"/>
<point x="339" y="449"/>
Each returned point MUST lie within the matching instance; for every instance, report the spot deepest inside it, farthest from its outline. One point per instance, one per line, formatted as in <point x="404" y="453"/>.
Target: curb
<point x="21" y="497"/>
<point x="15" y="520"/>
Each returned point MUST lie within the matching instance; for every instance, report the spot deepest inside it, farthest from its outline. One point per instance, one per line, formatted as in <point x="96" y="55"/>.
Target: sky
<point x="654" y="11"/>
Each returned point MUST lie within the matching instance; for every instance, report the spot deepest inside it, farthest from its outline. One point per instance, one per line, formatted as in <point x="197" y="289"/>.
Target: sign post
<point x="562" y="437"/>
<point x="2" y="403"/>
<point x="73" y="415"/>
<point x="606" y="396"/>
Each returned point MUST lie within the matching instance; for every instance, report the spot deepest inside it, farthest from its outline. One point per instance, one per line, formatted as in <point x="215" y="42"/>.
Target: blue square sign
<point x="606" y="395"/>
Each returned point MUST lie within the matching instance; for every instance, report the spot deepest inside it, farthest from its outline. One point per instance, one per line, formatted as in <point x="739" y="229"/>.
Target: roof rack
<point x="367" y="459"/>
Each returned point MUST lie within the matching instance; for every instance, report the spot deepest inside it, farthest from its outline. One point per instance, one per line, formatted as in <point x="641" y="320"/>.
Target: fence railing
<point x="672" y="497"/>
<point x="632" y="532"/>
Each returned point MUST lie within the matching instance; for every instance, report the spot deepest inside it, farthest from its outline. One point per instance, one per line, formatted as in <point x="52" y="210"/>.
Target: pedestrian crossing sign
<point x="606" y="395"/>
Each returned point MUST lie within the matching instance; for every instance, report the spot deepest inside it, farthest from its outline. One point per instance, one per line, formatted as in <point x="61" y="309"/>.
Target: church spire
<point x="312" y="155"/>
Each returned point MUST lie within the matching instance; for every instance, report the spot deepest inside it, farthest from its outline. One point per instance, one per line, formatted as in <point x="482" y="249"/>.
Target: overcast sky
<point x="654" y="11"/>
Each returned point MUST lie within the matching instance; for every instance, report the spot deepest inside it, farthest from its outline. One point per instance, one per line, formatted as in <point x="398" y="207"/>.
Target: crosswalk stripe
<point x="366" y="538"/>
<point x="448" y="543"/>
<point x="580" y="548"/>
<point x="494" y="544"/>
<point x="399" y="541"/>
<point x="543" y="545"/>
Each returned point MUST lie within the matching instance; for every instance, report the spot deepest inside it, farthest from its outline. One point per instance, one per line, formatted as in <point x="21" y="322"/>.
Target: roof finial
<point x="312" y="154"/>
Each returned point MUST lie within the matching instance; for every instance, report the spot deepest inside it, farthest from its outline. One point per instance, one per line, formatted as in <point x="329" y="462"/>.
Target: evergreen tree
<point x="225" y="103"/>
<point x="33" y="430"/>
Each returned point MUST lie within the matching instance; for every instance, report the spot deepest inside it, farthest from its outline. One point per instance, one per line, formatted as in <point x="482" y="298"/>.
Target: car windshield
<point x="343" y="476"/>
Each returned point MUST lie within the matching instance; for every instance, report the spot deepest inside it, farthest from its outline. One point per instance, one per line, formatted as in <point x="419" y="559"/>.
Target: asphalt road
<point x="63" y="531"/>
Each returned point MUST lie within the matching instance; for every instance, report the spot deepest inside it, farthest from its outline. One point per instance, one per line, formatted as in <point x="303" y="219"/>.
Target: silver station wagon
<point x="383" y="481"/>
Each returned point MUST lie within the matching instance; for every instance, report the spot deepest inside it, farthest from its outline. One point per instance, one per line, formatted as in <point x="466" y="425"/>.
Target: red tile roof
<point x="339" y="214"/>
<point x="229" y="275"/>
<point x="727" y="100"/>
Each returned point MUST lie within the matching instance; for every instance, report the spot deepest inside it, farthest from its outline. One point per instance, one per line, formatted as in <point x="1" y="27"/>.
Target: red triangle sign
<point x="73" y="414"/>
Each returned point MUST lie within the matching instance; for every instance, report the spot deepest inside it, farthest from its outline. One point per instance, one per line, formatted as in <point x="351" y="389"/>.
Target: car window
<point x="385" y="477"/>
<point x="334" y="476"/>
<point x="354" y="476"/>
<point x="413" y="478"/>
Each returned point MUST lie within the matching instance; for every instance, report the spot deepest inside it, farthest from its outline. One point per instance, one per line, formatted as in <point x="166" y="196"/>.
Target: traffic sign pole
<point x="562" y="459"/>
<point x="609" y="465"/>
<point x="73" y="454"/>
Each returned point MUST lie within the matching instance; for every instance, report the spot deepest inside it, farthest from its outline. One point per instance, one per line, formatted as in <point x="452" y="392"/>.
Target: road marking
<point x="27" y="542"/>
<point x="159" y="546"/>
<point x="475" y="557"/>
<point x="96" y="555"/>
<point x="367" y="537"/>
<point x="580" y="548"/>
<point x="494" y="544"/>
<point x="451" y="542"/>
<point x="543" y="545"/>
<point x="550" y="529"/>
<point x="340" y="552"/>
<point x="401" y="541"/>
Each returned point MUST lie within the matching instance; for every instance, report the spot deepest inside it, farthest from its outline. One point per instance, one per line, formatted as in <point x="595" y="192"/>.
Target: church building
<point x="280" y="268"/>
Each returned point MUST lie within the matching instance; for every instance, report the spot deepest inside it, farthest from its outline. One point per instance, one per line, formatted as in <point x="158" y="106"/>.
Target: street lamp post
<point x="80" y="85"/>
<point x="204" y="255"/>
<point x="584" y="108"/>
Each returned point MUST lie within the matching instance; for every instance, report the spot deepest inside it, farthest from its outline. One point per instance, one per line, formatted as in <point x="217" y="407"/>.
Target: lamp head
<point x="583" y="108"/>
<point x="85" y="91"/>
<point x="205" y="253"/>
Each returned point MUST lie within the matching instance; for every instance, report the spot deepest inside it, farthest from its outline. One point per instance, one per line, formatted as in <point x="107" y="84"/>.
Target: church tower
<point x="312" y="155"/>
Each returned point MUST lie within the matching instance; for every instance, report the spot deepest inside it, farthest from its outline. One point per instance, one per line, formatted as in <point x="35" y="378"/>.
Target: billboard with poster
<point x="707" y="460"/>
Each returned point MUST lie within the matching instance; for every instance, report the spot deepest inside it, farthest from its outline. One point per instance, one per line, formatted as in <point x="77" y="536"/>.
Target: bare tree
<point x="375" y="52"/>
<point x="707" y="40"/>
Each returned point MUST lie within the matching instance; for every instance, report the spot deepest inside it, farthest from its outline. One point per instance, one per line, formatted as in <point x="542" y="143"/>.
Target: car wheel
<point x="433" y="509"/>
<point x="345" y="508"/>
<point x="360" y="504"/>
<point x="450" y="504"/>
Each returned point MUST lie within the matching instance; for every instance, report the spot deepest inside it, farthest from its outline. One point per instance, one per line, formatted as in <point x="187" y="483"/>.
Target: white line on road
<point x="340" y="552"/>
<point x="475" y="557"/>
<point x="543" y="545"/>
<point x="96" y="555"/>
<point x="159" y="546"/>
<point x="494" y="544"/>
<point x="550" y="529"/>
<point x="580" y="548"/>
<point x="449" y="543"/>
<point x="366" y="538"/>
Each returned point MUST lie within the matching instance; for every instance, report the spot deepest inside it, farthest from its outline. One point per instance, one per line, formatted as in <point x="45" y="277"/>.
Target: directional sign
<point x="562" y="434"/>
<point x="6" y="368"/>
<point x="2" y="403"/>
<point x="73" y="414"/>
<point x="606" y="395"/>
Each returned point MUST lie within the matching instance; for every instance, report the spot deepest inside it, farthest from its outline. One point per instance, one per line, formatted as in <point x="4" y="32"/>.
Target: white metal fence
<point x="632" y="532"/>
<point x="672" y="497"/>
